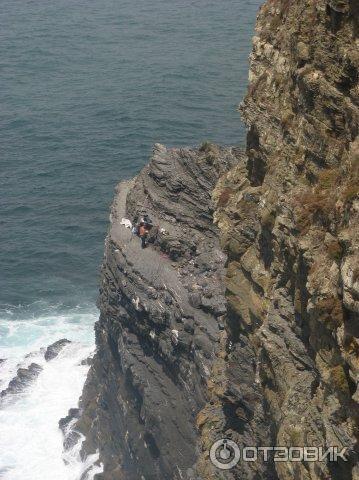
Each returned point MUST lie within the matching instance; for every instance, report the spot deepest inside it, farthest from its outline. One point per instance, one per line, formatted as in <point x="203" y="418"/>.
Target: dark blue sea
<point x="86" y="89"/>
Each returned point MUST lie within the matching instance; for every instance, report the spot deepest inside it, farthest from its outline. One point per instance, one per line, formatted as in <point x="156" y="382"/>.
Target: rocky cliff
<point x="289" y="223"/>
<point x="265" y="351"/>
<point x="162" y="319"/>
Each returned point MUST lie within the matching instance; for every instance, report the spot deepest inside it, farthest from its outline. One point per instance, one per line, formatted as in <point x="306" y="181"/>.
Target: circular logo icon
<point x="225" y="454"/>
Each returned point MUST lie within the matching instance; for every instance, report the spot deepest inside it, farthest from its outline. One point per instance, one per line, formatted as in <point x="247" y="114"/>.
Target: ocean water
<point x="30" y="440"/>
<point x="86" y="88"/>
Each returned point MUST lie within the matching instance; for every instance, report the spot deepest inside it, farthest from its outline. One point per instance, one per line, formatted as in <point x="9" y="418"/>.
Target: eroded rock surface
<point x="289" y="223"/>
<point x="161" y="319"/>
<point x="53" y="350"/>
<point x="24" y="377"/>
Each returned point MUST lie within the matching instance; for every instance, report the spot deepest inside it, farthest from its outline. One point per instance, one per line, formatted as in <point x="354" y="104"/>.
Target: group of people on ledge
<point x="142" y="229"/>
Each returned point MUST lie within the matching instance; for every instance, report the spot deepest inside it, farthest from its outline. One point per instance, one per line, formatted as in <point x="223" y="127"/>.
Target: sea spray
<point x="30" y="439"/>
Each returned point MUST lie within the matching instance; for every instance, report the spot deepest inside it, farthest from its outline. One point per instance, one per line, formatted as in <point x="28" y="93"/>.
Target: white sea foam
<point x="30" y="440"/>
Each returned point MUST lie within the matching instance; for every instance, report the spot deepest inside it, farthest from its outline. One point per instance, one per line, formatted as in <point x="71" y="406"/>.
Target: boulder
<point x="53" y="350"/>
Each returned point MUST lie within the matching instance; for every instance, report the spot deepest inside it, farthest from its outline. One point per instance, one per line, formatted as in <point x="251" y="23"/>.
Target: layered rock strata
<point x="161" y="321"/>
<point x="289" y="223"/>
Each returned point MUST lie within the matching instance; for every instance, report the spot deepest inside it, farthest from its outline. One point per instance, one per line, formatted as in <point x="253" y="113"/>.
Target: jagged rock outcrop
<point x="23" y="378"/>
<point x="161" y="320"/>
<point x="289" y="223"/>
<point x="54" y="349"/>
<point x="26" y="375"/>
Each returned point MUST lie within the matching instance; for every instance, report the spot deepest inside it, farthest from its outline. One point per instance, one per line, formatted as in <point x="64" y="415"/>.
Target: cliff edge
<point x="161" y="321"/>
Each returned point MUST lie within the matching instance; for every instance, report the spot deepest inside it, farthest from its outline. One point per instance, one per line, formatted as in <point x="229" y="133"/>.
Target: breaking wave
<point x="30" y="439"/>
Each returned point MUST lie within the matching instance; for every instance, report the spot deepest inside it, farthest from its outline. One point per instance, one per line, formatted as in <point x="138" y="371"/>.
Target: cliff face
<point x="174" y="371"/>
<point x="289" y="224"/>
<point x="161" y="319"/>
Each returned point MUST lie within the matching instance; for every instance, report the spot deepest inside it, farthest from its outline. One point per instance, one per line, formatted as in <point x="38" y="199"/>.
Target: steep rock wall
<point x="289" y="223"/>
<point x="161" y="320"/>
